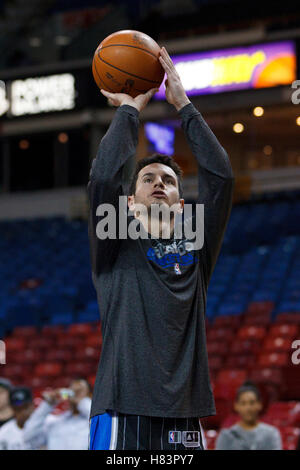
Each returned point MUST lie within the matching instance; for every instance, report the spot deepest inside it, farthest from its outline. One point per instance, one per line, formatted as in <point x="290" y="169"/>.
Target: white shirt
<point x="12" y="438"/>
<point x="60" y="432"/>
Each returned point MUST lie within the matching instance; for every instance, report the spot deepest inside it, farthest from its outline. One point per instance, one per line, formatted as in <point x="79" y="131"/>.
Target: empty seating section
<point x="50" y="321"/>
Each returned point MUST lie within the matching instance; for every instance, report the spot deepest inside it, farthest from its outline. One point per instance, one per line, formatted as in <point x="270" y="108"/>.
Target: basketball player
<point x="153" y="383"/>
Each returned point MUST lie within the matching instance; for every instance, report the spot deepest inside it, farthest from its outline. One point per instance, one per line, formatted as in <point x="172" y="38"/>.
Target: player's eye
<point x="147" y="180"/>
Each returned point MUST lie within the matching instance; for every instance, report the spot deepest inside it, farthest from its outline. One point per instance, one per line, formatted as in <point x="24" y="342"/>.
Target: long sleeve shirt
<point x="152" y="293"/>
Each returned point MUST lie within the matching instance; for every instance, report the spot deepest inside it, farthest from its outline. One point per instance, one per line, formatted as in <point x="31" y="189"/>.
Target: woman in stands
<point x="249" y="433"/>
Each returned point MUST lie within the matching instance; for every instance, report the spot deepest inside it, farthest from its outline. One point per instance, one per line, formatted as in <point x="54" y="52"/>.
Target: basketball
<point x="127" y="62"/>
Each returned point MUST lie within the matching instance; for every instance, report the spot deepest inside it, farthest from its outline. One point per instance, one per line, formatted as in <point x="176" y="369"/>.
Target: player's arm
<point x="107" y="175"/>
<point x="215" y="177"/>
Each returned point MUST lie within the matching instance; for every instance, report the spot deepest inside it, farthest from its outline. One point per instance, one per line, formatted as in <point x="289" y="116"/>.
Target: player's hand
<point x="175" y="93"/>
<point x="139" y="102"/>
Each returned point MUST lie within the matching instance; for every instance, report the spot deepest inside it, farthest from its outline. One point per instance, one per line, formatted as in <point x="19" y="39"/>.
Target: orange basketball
<point x="127" y="62"/>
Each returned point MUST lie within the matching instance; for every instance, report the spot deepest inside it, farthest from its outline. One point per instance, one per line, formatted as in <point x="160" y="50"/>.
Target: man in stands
<point x="6" y="411"/>
<point x="12" y="436"/>
<point x="69" y="430"/>
<point x="249" y="433"/>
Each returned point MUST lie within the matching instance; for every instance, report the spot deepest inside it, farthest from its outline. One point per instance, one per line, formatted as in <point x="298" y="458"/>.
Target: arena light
<point x="298" y="121"/>
<point x="43" y="94"/>
<point x="238" y="127"/>
<point x="258" y="111"/>
<point x="240" y="68"/>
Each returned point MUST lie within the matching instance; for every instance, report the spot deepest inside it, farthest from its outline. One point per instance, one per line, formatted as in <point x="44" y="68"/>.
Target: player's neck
<point x="157" y="228"/>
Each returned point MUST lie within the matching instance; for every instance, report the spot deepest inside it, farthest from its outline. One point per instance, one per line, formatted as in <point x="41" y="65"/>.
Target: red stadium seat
<point x="20" y="370"/>
<point x="61" y="382"/>
<point x="284" y="330"/>
<point x="15" y="344"/>
<point x="257" y="320"/>
<point x="290" y="437"/>
<point x="277" y="344"/>
<point x="94" y="340"/>
<point x="215" y="363"/>
<point x="240" y="362"/>
<point x="39" y="382"/>
<point x="28" y="356"/>
<point x="292" y="318"/>
<point x="211" y="437"/>
<point x="57" y="355"/>
<point x="83" y="369"/>
<point x="283" y="414"/>
<point x="25" y="331"/>
<point x="245" y="346"/>
<point x="266" y="306"/>
<point x="217" y="348"/>
<point x="230" y="420"/>
<point x="227" y="383"/>
<point x="42" y="343"/>
<point x="267" y="375"/>
<point x="52" y="330"/>
<point x="69" y="341"/>
<point x="225" y="335"/>
<point x="87" y="352"/>
<point x="80" y="329"/>
<point x="274" y="359"/>
<point x="232" y="321"/>
<point x="49" y="369"/>
<point x="251" y="332"/>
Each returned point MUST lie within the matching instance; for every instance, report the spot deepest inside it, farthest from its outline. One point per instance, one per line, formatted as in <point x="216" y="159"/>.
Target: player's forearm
<point x="209" y="153"/>
<point x="117" y="145"/>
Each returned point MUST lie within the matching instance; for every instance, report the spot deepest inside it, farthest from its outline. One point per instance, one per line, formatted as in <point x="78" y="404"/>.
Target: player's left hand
<point x="175" y="93"/>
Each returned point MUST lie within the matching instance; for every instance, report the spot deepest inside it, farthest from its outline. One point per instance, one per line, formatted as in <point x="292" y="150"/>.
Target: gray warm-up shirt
<point x="152" y="293"/>
<point x="263" y="437"/>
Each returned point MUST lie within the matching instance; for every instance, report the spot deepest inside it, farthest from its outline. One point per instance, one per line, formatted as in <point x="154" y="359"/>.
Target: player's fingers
<point x="166" y="57"/>
<point x="106" y="93"/>
<point x="152" y="92"/>
<point x="165" y="65"/>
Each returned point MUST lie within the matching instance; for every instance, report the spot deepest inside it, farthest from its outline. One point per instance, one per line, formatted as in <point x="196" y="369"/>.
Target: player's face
<point x="248" y="407"/>
<point x="4" y="398"/>
<point x="157" y="184"/>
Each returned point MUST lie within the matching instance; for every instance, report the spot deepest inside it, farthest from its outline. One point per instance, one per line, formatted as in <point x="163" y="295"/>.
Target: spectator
<point x="249" y="433"/>
<point x="69" y="430"/>
<point x="6" y="411"/>
<point x="12" y="433"/>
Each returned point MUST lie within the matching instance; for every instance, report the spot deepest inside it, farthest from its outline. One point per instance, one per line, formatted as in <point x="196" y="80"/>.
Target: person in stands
<point x="6" y="411"/>
<point x="249" y="433"/>
<point x="66" y="431"/>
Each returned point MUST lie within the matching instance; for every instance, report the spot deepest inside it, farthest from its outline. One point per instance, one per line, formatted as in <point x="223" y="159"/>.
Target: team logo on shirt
<point x="174" y="437"/>
<point x="177" y="268"/>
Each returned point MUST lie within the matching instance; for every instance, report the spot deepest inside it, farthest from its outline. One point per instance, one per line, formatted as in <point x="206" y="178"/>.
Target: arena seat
<point x="251" y="332"/>
<point x="48" y="369"/>
<point x="274" y="359"/>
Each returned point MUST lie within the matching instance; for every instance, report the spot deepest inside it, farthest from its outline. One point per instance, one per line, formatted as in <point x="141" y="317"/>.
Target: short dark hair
<point x="248" y="386"/>
<point x="157" y="158"/>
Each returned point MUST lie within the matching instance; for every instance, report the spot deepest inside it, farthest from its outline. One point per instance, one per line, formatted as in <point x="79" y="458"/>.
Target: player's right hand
<point x="139" y="102"/>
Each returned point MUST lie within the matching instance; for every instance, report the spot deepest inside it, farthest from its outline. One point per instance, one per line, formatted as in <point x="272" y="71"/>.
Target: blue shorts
<point x="117" y="431"/>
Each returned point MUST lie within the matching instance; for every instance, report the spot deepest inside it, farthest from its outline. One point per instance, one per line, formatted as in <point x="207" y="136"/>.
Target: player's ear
<point x="131" y="202"/>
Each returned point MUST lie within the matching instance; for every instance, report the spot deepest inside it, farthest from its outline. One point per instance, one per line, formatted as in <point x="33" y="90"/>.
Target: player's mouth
<point x="159" y="194"/>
